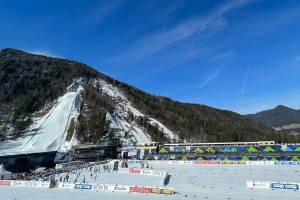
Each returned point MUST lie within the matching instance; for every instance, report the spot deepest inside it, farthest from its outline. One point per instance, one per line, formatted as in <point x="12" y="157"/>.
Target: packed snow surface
<point x="189" y="182"/>
<point x="48" y="133"/>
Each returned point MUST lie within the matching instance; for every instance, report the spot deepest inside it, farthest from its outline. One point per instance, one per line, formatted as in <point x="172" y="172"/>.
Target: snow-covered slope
<point x="131" y="132"/>
<point x="48" y="133"/>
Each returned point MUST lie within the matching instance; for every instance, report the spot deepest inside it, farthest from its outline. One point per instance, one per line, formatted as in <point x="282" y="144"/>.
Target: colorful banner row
<point x="195" y="162"/>
<point x="92" y="187"/>
<point x="44" y="184"/>
<point x="223" y="162"/>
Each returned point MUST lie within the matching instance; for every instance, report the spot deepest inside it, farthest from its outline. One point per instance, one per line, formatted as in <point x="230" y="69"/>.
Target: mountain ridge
<point x="28" y="82"/>
<point x="277" y="117"/>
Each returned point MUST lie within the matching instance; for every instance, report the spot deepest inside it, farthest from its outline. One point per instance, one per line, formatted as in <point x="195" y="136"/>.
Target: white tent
<point x="3" y="172"/>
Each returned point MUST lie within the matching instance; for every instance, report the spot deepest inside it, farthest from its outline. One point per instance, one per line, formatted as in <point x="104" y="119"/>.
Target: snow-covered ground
<point x="189" y="182"/>
<point x="48" y="133"/>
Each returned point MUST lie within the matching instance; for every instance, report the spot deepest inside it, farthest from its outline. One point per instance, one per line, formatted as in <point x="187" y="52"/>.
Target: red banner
<point x="134" y="171"/>
<point x="6" y="183"/>
<point x="140" y="189"/>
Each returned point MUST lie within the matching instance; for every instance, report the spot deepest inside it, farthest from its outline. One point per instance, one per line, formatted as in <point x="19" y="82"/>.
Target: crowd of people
<point x="63" y="174"/>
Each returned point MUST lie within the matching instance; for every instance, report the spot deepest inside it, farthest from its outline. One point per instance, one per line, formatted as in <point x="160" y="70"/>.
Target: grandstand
<point x="227" y="151"/>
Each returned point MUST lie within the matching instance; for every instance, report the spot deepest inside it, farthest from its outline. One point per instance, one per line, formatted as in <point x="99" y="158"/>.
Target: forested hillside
<point x="277" y="117"/>
<point x="29" y="82"/>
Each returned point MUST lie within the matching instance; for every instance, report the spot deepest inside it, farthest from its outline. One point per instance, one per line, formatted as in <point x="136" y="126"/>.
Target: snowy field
<point x="188" y="181"/>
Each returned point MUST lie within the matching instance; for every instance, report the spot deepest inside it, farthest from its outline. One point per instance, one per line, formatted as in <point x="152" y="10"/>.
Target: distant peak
<point x="281" y="107"/>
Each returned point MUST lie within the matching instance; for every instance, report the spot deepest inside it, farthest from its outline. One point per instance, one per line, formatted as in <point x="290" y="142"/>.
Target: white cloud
<point x="217" y="71"/>
<point x="104" y="11"/>
<point x="244" y="86"/>
<point x="204" y="27"/>
<point x="223" y="55"/>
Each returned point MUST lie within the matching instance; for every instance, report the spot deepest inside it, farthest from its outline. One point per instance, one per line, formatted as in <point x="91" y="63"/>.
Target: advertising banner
<point x="176" y="162"/>
<point x="206" y="162"/>
<point x="258" y="184"/>
<point x="287" y="163"/>
<point x="147" y="172"/>
<point x="287" y="186"/>
<point x="139" y="189"/>
<point x="18" y="183"/>
<point x="233" y="162"/>
<point x="167" y="191"/>
<point x="156" y="191"/>
<point x="31" y="184"/>
<point x="44" y="184"/>
<point x="4" y="183"/>
<point x="102" y="187"/>
<point x="83" y="186"/>
<point x="121" y="188"/>
<point x="158" y="173"/>
<point x="66" y="185"/>
<point x="123" y="170"/>
<point x="134" y="171"/>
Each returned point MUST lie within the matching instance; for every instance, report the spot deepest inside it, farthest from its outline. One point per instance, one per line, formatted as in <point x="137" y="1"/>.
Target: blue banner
<point x="284" y="186"/>
<point x="83" y="186"/>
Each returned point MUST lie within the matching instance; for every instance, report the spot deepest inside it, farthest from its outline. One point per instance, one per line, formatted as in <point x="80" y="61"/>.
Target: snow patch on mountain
<point x="130" y="132"/>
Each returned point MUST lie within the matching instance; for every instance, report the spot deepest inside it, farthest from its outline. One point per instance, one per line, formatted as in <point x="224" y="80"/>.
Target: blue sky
<point x="239" y="55"/>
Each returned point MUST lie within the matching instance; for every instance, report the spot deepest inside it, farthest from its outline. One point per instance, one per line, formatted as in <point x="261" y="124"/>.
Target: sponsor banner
<point x="260" y="162"/>
<point x="153" y="162"/>
<point x="167" y="191"/>
<point x="206" y="162"/>
<point x="147" y="172"/>
<point x="288" y="186"/>
<point x="18" y="183"/>
<point x="66" y="185"/>
<point x="83" y="186"/>
<point x="159" y="162"/>
<point x="44" y="184"/>
<point x="134" y="171"/>
<point x="139" y="189"/>
<point x="158" y="173"/>
<point x="188" y="162"/>
<point x="5" y="183"/>
<point x="176" y="162"/>
<point x="258" y="184"/>
<point x="103" y="187"/>
<point x="123" y="170"/>
<point x="31" y="184"/>
<point x="233" y="162"/>
<point x="121" y="188"/>
<point x="156" y="191"/>
<point x="287" y="163"/>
